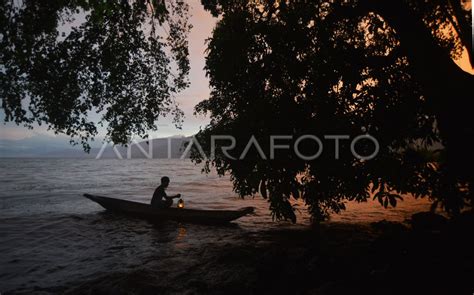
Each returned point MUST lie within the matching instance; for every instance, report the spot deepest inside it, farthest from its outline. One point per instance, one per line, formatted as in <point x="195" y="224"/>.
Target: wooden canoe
<point x="146" y="211"/>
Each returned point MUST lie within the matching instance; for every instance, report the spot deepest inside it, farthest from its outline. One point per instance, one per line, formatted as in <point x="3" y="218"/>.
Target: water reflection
<point x="180" y="241"/>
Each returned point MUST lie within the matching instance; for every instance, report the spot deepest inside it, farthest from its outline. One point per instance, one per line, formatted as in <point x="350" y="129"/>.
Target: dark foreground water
<point x="52" y="239"/>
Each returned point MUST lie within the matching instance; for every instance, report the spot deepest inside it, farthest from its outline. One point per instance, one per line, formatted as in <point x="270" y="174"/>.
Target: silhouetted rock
<point x="428" y="221"/>
<point x="463" y="222"/>
<point x="388" y="226"/>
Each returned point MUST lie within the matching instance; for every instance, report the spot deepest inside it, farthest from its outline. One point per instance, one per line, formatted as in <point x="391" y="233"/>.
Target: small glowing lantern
<point x="180" y="204"/>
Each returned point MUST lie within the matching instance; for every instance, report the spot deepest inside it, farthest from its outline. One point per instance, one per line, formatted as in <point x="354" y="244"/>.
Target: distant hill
<point x="158" y="148"/>
<point x="59" y="147"/>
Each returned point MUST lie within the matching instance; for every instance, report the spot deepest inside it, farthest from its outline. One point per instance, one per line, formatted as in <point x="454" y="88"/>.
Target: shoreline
<point x="335" y="258"/>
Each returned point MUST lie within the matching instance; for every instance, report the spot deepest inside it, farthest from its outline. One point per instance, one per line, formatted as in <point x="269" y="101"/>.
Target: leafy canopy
<point x="324" y="68"/>
<point x="62" y="61"/>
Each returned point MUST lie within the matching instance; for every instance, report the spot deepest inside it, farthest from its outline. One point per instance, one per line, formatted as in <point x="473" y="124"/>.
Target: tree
<point x="341" y="67"/>
<point x="62" y="61"/>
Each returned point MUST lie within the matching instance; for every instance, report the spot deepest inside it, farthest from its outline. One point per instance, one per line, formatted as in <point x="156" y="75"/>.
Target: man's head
<point x="165" y="181"/>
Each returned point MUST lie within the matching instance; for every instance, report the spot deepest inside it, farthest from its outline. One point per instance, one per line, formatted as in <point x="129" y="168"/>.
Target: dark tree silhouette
<point x="63" y="60"/>
<point x="381" y="67"/>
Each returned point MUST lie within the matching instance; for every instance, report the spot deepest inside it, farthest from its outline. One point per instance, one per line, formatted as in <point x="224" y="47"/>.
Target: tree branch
<point x="446" y="86"/>
<point x="463" y="29"/>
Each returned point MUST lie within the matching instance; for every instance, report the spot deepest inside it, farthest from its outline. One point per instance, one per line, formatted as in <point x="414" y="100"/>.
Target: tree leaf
<point x="263" y="189"/>
<point x="296" y="193"/>
<point x="393" y="200"/>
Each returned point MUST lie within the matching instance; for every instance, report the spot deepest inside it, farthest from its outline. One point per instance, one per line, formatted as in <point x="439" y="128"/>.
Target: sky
<point x="203" y="24"/>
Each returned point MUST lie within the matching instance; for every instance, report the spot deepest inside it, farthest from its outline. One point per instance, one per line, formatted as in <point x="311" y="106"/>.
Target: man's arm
<point x="174" y="197"/>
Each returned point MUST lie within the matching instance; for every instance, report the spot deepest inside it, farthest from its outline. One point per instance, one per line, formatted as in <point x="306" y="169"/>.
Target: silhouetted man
<point x="160" y="199"/>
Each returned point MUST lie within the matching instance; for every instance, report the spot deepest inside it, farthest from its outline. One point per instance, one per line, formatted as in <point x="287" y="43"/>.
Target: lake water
<point x="52" y="238"/>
